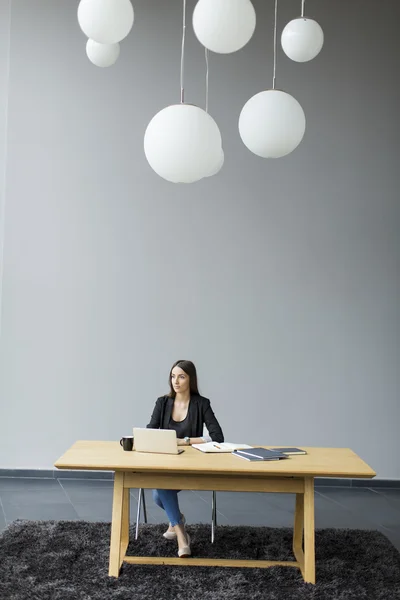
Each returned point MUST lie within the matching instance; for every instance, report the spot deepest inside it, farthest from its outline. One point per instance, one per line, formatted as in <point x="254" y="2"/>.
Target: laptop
<point x="159" y="441"/>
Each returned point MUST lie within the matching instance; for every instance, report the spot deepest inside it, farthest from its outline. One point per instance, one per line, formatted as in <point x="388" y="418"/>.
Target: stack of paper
<point x="223" y="447"/>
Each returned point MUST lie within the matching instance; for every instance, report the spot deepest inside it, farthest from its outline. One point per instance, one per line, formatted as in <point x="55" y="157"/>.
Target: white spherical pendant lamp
<point x="272" y="124"/>
<point x="218" y="165"/>
<point x="105" y="21"/>
<point x="224" y="26"/>
<point x="302" y="39"/>
<point x="102" y="55"/>
<point x="182" y="143"/>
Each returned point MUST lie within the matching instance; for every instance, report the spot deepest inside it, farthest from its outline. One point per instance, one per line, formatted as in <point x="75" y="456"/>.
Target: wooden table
<point x="195" y="470"/>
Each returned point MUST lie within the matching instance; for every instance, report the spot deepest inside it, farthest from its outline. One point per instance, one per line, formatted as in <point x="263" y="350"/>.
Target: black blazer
<point x="200" y="413"/>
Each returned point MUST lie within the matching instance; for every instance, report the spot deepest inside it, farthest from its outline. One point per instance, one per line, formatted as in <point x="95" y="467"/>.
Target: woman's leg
<point x="157" y="499"/>
<point x="168" y="500"/>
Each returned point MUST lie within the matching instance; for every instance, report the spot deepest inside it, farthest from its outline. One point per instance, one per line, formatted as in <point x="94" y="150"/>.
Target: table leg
<point x="125" y="524"/>
<point x="298" y="531"/>
<point x="119" y="525"/>
<point x="309" y="531"/>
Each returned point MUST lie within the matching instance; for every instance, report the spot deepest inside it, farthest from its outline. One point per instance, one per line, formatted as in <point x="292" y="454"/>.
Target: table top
<point x="318" y="462"/>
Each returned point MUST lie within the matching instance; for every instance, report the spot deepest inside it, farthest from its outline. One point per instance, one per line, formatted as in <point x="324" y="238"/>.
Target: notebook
<point x="290" y="450"/>
<point x="260" y="454"/>
<point x="248" y="457"/>
<point x="216" y="447"/>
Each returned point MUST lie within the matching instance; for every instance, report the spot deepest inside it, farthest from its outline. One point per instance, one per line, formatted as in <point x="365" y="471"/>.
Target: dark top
<point x="199" y="414"/>
<point x="182" y="428"/>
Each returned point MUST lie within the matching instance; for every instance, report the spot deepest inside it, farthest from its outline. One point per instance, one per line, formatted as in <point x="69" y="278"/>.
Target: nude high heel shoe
<point x="171" y="535"/>
<point x="185" y="552"/>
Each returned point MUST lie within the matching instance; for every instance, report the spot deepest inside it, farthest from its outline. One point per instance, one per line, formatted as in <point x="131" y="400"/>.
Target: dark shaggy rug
<point x="68" y="560"/>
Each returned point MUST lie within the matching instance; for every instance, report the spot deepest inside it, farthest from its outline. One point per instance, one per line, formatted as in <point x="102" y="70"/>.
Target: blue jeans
<point x="168" y="501"/>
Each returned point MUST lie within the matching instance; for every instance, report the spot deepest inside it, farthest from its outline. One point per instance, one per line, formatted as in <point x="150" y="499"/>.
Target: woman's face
<point x="180" y="380"/>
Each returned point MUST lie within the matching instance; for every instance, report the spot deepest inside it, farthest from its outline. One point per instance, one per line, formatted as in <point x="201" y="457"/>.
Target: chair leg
<point x="144" y="505"/>
<point x="138" y="513"/>
<point x="214" y="516"/>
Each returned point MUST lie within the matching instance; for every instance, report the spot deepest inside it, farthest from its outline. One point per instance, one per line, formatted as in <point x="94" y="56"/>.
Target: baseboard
<point x="56" y="474"/>
<point x="375" y="483"/>
<point x="65" y="474"/>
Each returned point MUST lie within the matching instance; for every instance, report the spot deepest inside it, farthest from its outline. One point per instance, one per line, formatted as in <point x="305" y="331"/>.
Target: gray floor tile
<point x="364" y="503"/>
<point x="393" y="535"/>
<point x="376" y="483"/>
<point x="207" y="495"/>
<point x="87" y="484"/>
<point x="274" y="517"/>
<point x="341" y="519"/>
<point x="246" y="501"/>
<point x="99" y="507"/>
<point x="392" y="496"/>
<point x="208" y="502"/>
<point x="91" y="499"/>
<point x="278" y="509"/>
<point x="394" y="539"/>
<point x="2" y="519"/>
<point x="395" y="530"/>
<point x="337" y="482"/>
<point x="147" y="493"/>
<point x="9" y="484"/>
<point x="256" y="509"/>
<point x="198" y="515"/>
<point x="87" y="493"/>
<point x="189" y="500"/>
<point x="251" y="501"/>
<point x="94" y="511"/>
<point x="285" y="502"/>
<point x="204" y="495"/>
<point x="259" y="509"/>
<point x="34" y="497"/>
<point x="40" y="512"/>
<point x="252" y="518"/>
<point x="156" y="515"/>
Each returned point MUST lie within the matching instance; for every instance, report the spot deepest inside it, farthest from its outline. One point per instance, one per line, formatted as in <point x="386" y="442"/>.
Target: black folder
<point x="260" y="454"/>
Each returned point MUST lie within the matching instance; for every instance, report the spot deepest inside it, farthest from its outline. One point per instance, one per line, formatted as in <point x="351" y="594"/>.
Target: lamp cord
<point x="302" y="7"/>
<point x="207" y="69"/>
<point x="275" y="22"/>
<point x="183" y="52"/>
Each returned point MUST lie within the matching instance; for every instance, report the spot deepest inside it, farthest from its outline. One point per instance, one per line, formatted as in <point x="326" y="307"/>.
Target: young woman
<point x="184" y="410"/>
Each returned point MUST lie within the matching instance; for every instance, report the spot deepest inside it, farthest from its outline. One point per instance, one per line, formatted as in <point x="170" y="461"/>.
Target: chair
<point x="142" y="502"/>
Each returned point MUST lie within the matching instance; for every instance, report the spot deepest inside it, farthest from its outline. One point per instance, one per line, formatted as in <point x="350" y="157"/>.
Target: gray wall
<point x="279" y="278"/>
<point x="4" y="76"/>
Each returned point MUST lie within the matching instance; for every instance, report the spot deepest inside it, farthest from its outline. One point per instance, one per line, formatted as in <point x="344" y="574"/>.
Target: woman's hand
<point x="192" y="441"/>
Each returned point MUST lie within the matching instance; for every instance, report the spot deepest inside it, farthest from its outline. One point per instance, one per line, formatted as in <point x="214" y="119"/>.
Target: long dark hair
<point x="188" y="367"/>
